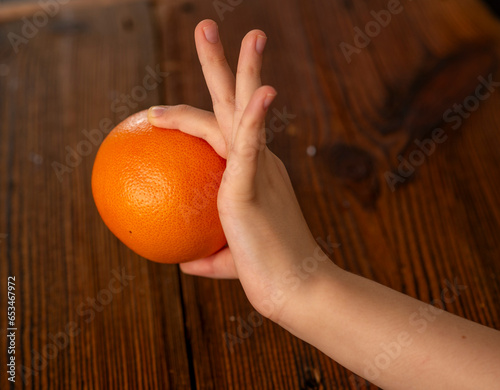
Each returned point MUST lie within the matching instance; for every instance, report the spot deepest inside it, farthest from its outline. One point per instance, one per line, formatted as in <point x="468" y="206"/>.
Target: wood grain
<point x="397" y="239"/>
<point x="166" y="330"/>
<point x="126" y="335"/>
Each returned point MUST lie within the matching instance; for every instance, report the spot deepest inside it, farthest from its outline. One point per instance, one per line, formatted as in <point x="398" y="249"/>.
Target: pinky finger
<point x="218" y="266"/>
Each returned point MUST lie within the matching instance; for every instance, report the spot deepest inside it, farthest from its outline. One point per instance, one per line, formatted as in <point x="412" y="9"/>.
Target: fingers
<point x="249" y="68"/>
<point x="217" y="266"/>
<point x="250" y="135"/>
<point x="249" y="142"/>
<point x="190" y="120"/>
<point x="230" y="96"/>
<point x="220" y="80"/>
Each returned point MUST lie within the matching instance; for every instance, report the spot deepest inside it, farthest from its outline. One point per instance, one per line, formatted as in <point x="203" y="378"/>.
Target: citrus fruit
<point x="156" y="190"/>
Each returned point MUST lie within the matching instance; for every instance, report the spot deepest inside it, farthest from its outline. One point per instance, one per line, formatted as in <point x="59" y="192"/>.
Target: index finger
<point x="218" y="75"/>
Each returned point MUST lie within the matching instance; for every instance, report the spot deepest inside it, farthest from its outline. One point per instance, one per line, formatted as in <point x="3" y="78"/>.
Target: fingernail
<point x="157" y="111"/>
<point x="260" y="43"/>
<point x="268" y="100"/>
<point x="211" y="33"/>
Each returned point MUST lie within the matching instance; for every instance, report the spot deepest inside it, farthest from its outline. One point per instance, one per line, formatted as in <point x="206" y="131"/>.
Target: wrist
<point x="305" y="283"/>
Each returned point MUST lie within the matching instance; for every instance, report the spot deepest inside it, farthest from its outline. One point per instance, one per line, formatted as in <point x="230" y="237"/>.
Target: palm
<point x="257" y="205"/>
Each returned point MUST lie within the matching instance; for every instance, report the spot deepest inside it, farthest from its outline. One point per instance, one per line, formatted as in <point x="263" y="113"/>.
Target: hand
<point x="264" y="226"/>
<point x="346" y="316"/>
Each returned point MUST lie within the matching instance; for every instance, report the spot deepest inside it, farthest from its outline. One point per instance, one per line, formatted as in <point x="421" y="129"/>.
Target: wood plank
<point x="438" y="228"/>
<point x="30" y="9"/>
<point x="64" y="81"/>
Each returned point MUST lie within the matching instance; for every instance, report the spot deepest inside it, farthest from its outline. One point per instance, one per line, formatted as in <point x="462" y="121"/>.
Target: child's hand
<point x="351" y="319"/>
<point x="266" y="231"/>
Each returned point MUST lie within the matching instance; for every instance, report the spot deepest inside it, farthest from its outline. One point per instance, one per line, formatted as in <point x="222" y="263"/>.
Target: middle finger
<point x="248" y="73"/>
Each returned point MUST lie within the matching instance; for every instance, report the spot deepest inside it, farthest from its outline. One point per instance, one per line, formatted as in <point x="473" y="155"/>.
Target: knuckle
<point x="282" y="167"/>
<point x="238" y="107"/>
<point x="248" y="151"/>
<point x="280" y="163"/>
<point x="182" y="107"/>
<point x="219" y="60"/>
<point x="224" y="100"/>
<point x="248" y="71"/>
<point x="214" y="60"/>
<point x="249" y="122"/>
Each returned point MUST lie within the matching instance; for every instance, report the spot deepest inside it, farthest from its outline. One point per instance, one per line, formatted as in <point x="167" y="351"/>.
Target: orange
<point x="156" y="190"/>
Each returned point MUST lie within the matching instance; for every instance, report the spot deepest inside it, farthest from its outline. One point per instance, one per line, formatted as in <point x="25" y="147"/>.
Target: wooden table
<point x="92" y="314"/>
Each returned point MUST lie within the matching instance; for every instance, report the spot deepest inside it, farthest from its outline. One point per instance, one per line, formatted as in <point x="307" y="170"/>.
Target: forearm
<point x="389" y="338"/>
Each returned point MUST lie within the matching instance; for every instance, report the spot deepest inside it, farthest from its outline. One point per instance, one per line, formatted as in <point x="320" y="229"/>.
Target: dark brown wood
<point x="62" y="82"/>
<point x="167" y="330"/>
